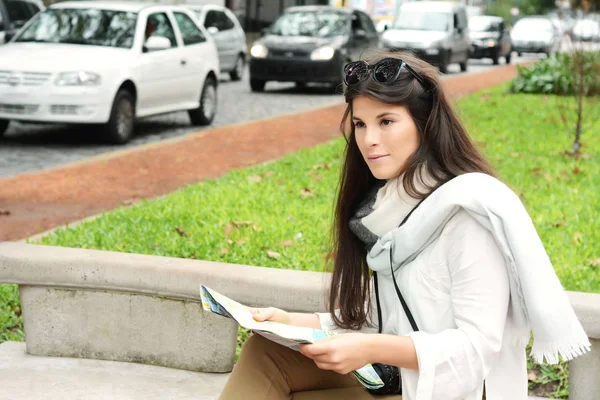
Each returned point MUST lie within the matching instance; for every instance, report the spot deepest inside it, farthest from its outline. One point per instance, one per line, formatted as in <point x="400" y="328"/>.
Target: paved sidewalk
<point x="40" y="201"/>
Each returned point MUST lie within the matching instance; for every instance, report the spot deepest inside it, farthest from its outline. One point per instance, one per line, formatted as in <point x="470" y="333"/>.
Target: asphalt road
<point x="31" y="147"/>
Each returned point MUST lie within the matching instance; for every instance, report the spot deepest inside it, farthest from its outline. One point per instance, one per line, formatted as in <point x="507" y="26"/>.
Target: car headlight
<point x="323" y="53"/>
<point x="491" y="43"/>
<point x="78" y="78"/>
<point x="259" y="50"/>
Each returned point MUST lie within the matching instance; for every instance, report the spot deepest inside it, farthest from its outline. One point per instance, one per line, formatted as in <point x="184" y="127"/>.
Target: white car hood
<point x="50" y="57"/>
<point x="412" y="36"/>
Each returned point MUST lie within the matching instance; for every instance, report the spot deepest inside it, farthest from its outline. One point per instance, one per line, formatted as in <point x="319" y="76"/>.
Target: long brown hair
<point x="445" y="151"/>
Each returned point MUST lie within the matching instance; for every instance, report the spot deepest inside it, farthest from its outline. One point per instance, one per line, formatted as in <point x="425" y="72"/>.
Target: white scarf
<point x="539" y="302"/>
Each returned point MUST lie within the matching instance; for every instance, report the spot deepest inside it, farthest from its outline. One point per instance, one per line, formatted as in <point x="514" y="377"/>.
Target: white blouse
<point x="458" y="291"/>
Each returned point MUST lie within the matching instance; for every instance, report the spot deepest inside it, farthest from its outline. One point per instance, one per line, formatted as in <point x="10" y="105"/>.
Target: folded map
<point x="286" y="335"/>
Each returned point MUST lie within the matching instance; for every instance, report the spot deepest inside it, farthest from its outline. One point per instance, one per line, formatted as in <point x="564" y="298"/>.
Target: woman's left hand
<point x="340" y="353"/>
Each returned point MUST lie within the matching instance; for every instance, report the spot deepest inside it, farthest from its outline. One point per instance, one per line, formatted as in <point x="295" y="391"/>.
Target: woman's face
<point x="386" y="135"/>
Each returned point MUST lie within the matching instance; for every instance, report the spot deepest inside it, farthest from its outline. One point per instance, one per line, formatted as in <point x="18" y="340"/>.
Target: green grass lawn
<point x="278" y="214"/>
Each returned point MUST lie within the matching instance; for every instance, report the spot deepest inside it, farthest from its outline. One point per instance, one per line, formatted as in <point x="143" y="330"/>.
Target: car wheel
<point x="257" y="85"/>
<point x="444" y="61"/>
<point x="496" y="58"/>
<point x="4" y="126"/>
<point x="121" y="124"/>
<point x="508" y="57"/>
<point x="205" y="114"/>
<point x="238" y="71"/>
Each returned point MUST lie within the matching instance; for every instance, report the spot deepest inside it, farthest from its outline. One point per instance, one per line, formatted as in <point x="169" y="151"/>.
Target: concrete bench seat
<point x="143" y="316"/>
<point x="27" y="377"/>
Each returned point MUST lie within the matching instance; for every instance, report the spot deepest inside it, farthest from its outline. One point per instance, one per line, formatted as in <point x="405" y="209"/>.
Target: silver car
<point x="229" y="37"/>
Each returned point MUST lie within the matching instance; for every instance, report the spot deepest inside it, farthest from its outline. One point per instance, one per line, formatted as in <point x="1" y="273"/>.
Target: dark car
<point x="490" y="38"/>
<point x="310" y="44"/>
<point x="14" y="14"/>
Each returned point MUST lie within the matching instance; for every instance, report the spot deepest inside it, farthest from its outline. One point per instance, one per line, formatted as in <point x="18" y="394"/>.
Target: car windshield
<point x="92" y="27"/>
<point x="532" y="25"/>
<point x="323" y="24"/>
<point x="479" y="24"/>
<point x="423" y="21"/>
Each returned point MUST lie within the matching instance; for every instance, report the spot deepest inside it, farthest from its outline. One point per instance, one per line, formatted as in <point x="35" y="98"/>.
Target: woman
<point x="419" y="216"/>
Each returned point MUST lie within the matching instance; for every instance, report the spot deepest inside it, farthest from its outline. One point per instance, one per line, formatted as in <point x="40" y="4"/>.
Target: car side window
<point x="356" y="23"/>
<point x="190" y="33"/>
<point x="218" y="19"/>
<point x="33" y="8"/>
<point x="158" y="24"/>
<point x="228" y="22"/>
<point x="367" y="24"/>
<point x="18" y="11"/>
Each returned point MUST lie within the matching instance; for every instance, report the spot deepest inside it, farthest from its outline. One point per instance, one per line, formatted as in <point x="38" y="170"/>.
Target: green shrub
<point x="558" y="74"/>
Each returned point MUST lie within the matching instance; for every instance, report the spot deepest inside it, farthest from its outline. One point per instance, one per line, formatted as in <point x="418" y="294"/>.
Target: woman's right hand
<point x="271" y="314"/>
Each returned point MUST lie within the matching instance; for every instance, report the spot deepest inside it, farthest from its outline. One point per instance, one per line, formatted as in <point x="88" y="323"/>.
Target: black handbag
<point x="390" y="374"/>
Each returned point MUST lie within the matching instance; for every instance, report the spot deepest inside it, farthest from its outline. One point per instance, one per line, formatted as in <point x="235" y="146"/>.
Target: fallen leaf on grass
<point x="228" y="228"/>
<point x="273" y="254"/>
<point x="577" y="237"/>
<point x="181" y="232"/>
<point x="240" y="242"/>
<point x="230" y="241"/>
<point x="317" y="177"/>
<point x="237" y="224"/>
<point x="287" y="243"/>
<point x="307" y="192"/>
<point x="325" y="165"/>
<point x="224" y="250"/>
<point x="329" y="256"/>
<point x="514" y="154"/>
<point x="485" y="97"/>
<point x="268" y="173"/>
<point x="532" y="376"/>
<point x="576" y="170"/>
<point x="254" y="178"/>
<point x="595" y="262"/>
<point x="4" y="212"/>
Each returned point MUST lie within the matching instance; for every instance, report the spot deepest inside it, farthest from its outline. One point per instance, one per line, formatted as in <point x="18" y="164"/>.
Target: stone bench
<point x="101" y="324"/>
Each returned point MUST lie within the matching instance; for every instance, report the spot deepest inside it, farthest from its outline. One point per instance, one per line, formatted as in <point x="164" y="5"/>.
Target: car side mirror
<point x="155" y="43"/>
<point x="212" y="30"/>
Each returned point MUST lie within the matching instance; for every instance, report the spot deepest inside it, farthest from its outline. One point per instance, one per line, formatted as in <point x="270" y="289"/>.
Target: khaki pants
<point x="269" y="371"/>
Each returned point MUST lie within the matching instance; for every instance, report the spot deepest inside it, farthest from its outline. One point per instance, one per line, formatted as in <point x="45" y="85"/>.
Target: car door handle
<point x="183" y="62"/>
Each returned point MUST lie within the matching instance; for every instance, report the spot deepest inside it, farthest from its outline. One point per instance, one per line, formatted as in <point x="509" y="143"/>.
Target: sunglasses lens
<point x="355" y="72"/>
<point x="386" y="71"/>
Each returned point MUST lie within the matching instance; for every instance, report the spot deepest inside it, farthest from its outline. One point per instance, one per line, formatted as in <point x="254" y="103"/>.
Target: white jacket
<point x="458" y="283"/>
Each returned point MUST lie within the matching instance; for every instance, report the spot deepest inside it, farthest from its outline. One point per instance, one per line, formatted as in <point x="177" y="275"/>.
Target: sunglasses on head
<point x="385" y="71"/>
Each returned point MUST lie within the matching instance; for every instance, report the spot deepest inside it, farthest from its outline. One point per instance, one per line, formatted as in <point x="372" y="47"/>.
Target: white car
<point x="229" y="37"/>
<point x="586" y="30"/>
<point x="87" y="62"/>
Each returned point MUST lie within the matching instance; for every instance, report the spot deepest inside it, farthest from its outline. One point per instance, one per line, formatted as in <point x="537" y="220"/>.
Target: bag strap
<point x="409" y="315"/>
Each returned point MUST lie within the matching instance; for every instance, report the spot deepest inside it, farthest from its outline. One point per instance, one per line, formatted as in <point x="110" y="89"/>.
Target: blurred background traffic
<point x="95" y="72"/>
